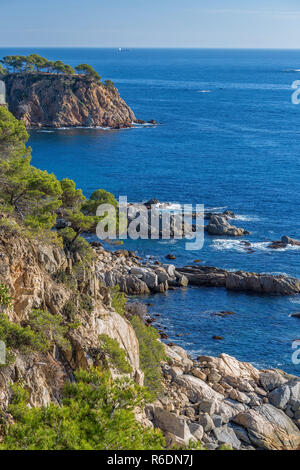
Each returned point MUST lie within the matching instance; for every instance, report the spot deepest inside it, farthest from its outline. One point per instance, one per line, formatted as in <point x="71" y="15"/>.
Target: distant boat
<point x="120" y="49"/>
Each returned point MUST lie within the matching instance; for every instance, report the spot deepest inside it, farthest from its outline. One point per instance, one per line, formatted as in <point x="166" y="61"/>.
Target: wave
<point x="237" y="245"/>
<point x="245" y="218"/>
<point x="294" y="300"/>
<point x="204" y="91"/>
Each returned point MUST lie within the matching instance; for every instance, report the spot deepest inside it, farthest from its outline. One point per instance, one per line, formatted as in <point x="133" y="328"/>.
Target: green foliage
<point x="72" y="198"/>
<point x="109" y="84"/>
<point x="98" y="197"/>
<point x="112" y="355"/>
<point x="13" y="135"/>
<point x="34" y="194"/>
<point x="50" y="328"/>
<point x="152" y="353"/>
<point x="76" y="244"/>
<point x="3" y="70"/>
<point x="118" y="301"/>
<point x="5" y="297"/>
<point x="20" y="338"/>
<point x="96" y="414"/>
<point x="86" y="303"/>
<point x="88" y="70"/>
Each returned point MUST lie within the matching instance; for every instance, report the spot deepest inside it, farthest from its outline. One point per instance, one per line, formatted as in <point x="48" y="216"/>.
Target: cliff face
<point x="30" y="271"/>
<point x="51" y="100"/>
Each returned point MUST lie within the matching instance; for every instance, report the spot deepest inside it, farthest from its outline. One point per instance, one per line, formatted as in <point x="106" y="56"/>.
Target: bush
<point x="112" y="355"/>
<point x="49" y="328"/>
<point x="5" y="297"/>
<point x="152" y="353"/>
<point x="96" y="414"/>
<point x="118" y="300"/>
<point x="16" y="337"/>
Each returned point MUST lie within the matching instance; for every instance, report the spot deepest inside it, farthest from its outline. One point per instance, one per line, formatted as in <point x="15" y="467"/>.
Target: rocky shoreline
<point x="135" y="276"/>
<point x="215" y="400"/>
<point x="222" y="401"/>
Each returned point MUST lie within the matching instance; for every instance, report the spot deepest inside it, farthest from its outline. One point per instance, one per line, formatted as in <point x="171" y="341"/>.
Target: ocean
<point x="228" y="138"/>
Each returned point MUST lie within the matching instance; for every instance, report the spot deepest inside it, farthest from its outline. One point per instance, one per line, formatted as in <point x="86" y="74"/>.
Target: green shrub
<point x="112" y="355"/>
<point x="152" y="353"/>
<point x="96" y="414"/>
<point x="5" y="297"/>
<point x="16" y="337"/>
<point x="118" y="300"/>
<point x="86" y="303"/>
<point x="49" y="328"/>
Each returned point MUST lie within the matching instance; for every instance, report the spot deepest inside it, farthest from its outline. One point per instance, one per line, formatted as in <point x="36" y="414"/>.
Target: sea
<point x="228" y="137"/>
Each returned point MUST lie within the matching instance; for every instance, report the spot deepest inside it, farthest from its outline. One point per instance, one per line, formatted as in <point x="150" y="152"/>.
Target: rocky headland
<point x="59" y="100"/>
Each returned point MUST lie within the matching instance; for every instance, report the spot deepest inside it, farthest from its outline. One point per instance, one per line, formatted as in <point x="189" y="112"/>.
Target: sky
<point x="150" y="23"/>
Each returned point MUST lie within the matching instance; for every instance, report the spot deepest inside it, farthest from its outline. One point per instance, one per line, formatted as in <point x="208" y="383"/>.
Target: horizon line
<point x="154" y="47"/>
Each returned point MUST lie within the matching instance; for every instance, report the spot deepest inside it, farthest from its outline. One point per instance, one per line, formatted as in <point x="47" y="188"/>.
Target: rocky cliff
<point x="212" y="400"/>
<point x="53" y="100"/>
<point x="33" y="272"/>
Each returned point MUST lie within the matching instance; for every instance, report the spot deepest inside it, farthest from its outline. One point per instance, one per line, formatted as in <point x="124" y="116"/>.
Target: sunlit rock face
<point x="2" y="92"/>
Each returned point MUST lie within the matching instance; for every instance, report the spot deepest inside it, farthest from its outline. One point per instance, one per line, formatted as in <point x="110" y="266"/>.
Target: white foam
<point x="221" y="245"/>
<point x="237" y="245"/>
<point x="245" y="218"/>
<point x="204" y="91"/>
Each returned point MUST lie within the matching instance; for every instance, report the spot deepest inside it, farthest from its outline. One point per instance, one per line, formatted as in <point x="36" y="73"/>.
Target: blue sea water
<point x="229" y="139"/>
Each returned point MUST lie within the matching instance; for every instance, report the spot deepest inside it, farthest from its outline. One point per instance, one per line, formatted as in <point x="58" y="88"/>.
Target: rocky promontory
<point x="43" y="99"/>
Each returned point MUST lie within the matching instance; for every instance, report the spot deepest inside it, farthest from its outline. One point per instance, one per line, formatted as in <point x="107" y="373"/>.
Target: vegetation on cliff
<point x="95" y="412"/>
<point x="34" y="62"/>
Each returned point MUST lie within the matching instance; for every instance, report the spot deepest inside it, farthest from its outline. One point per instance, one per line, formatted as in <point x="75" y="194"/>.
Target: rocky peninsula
<point x="52" y="100"/>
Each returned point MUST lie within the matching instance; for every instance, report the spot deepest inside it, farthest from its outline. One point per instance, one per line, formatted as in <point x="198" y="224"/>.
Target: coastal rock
<point x="219" y="225"/>
<point x="170" y="423"/>
<point x="52" y="100"/>
<point x="284" y="242"/>
<point x="269" y="428"/>
<point x="241" y="281"/>
<point x="280" y="396"/>
<point x="271" y="379"/>
<point x="226" y="435"/>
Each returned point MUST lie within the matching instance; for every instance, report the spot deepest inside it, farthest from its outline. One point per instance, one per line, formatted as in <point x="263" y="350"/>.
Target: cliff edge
<point x="52" y="100"/>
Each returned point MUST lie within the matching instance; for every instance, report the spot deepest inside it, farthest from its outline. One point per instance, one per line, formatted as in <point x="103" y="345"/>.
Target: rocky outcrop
<point x="124" y="269"/>
<point x="241" y="280"/>
<point x="218" y="225"/>
<point x="52" y="100"/>
<point x="32" y="270"/>
<point x="283" y="243"/>
<point x="224" y="401"/>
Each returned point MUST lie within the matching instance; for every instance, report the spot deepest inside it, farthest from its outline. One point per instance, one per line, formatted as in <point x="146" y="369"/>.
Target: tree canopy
<point x="34" y="62"/>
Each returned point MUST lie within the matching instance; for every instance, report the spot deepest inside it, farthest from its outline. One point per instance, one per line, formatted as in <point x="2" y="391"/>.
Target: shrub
<point x="112" y="355"/>
<point x="118" y="300"/>
<point x="5" y="297"/>
<point x="16" y="337"/>
<point x="96" y="414"/>
<point x="152" y="353"/>
<point x="49" y="328"/>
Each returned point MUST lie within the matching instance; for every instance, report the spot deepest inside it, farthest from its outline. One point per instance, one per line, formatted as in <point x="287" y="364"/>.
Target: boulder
<point x="196" y="430"/>
<point x="269" y="428"/>
<point x="206" y="422"/>
<point x="170" y="423"/>
<point x="280" y="396"/>
<point x="226" y="435"/>
<point x="219" y="225"/>
<point x="271" y="379"/>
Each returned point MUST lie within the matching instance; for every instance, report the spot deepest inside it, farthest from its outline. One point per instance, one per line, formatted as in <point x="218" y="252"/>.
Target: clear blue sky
<point x="151" y="23"/>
